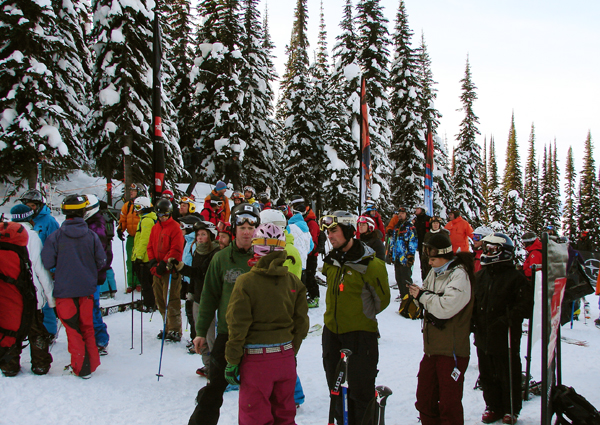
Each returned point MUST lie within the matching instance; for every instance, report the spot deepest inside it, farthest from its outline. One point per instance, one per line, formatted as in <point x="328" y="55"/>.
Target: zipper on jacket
<point x="336" y="291"/>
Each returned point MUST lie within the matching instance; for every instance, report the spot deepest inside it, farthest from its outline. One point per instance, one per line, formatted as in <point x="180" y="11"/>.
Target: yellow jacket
<point x="129" y="219"/>
<point x="142" y="237"/>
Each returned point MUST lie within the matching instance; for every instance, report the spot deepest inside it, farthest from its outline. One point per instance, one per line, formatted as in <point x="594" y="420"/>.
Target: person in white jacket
<point x="39" y="337"/>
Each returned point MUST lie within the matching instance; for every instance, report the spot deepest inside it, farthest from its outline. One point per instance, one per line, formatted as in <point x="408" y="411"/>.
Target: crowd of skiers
<point x="247" y="273"/>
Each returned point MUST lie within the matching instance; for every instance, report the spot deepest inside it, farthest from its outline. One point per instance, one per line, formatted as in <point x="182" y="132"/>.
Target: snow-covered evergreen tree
<point x="555" y="204"/>
<point x="121" y="122"/>
<point x="587" y="217"/>
<point x="260" y="165"/>
<point x="38" y="123"/>
<point x="513" y="180"/>
<point x="443" y="193"/>
<point x="483" y="176"/>
<point x="531" y="188"/>
<point x="217" y="86"/>
<point x="304" y="150"/>
<point x="550" y="207"/>
<point x="494" y="204"/>
<point x="467" y="186"/>
<point x="409" y="133"/>
<point x="569" y="224"/>
<point x="342" y="133"/>
<point x="373" y="42"/>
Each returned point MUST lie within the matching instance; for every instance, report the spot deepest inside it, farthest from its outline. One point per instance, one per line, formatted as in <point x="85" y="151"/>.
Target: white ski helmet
<point x="273" y="216"/>
<point x="93" y="206"/>
<point x="142" y="203"/>
<point x="481" y="232"/>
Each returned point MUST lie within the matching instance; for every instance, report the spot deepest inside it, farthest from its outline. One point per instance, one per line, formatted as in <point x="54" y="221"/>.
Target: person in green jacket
<point x="268" y="319"/>
<point x="357" y="290"/>
<point x="139" y="254"/>
<point x="226" y="266"/>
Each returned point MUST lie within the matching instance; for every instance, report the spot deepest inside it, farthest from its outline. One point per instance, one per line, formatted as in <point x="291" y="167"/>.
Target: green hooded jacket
<point x="223" y="270"/>
<point x="357" y="289"/>
<point x="294" y="267"/>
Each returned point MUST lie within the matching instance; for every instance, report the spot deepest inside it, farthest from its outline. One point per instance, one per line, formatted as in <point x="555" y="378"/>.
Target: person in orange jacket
<point x="219" y="192"/>
<point x="128" y="222"/>
<point x="165" y="249"/>
<point x="460" y="231"/>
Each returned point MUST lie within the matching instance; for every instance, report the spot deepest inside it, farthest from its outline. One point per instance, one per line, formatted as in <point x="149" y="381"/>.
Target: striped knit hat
<point x="21" y="212"/>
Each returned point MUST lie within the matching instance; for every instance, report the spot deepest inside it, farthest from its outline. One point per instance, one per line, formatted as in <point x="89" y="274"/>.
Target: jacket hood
<point x="298" y="220"/>
<point x="272" y="264"/>
<point x="151" y="215"/>
<point x="75" y="228"/>
<point x="44" y="211"/>
<point x="289" y="238"/>
<point x="535" y="246"/>
<point x="310" y="215"/>
<point x="357" y="258"/>
<point x="189" y="238"/>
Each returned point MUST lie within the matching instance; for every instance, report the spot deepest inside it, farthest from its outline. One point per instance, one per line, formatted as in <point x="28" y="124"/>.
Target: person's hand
<point x="161" y="269"/>
<point x="173" y="263"/>
<point x="390" y="232"/>
<point x="410" y="260"/>
<point x="198" y="343"/>
<point x="414" y="291"/>
<point x="120" y="234"/>
<point x="232" y="373"/>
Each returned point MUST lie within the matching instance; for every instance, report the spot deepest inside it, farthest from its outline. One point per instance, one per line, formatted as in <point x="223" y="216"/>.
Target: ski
<point x="316" y="329"/>
<point x="574" y="341"/>
<point x="119" y="308"/>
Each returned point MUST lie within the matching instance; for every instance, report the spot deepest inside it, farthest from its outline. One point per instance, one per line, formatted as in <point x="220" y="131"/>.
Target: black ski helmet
<point x="438" y="246"/>
<point x="297" y="203"/>
<point x="497" y="248"/>
<point x="74" y="206"/>
<point x="163" y="207"/>
<point x="244" y="210"/>
<point x="188" y="222"/>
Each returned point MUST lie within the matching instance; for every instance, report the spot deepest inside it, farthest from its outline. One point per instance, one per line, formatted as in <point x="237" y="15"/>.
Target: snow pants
<point x="495" y="382"/>
<point x="403" y="277"/>
<point x="210" y="397"/>
<point x="267" y="389"/>
<point x="362" y="370"/>
<point x="146" y="280"/>
<point x="50" y="320"/>
<point x="439" y="396"/>
<point x="76" y="315"/>
<point x="100" y="329"/>
<point x="173" y="310"/>
<point x="132" y="280"/>
<point x="210" y="338"/>
<point x="309" y="279"/>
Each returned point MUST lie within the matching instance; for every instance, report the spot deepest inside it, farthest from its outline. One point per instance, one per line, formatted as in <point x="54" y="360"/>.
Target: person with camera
<point x="447" y="298"/>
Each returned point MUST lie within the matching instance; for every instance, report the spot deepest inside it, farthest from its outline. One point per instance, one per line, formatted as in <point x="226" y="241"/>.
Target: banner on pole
<point x="366" y="172"/>
<point x="429" y="174"/>
<point x="157" y="136"/>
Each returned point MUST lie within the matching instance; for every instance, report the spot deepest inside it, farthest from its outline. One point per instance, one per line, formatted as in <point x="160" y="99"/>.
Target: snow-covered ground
<point x="124" y="389"/>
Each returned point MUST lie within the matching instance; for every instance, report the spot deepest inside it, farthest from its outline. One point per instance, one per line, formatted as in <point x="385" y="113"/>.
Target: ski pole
<point x="345" y="354"/>
<point x="132" y="320"/>
<point x="162" y="344"/>
<point x="510" y="377"/>
<point x="383" y="393"/>
<point x="142" y="325"/>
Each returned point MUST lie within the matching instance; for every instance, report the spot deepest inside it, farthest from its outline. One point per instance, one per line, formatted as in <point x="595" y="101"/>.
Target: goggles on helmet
<point x="401" y="209"/>
<point x="246" y="218"/>
<point x="186" y="200"/>
<point x="186" y="226"/>
<point x="433" y="252"/>
<point x="491" y="249"/>
<point x="268" y="242"/>
<point x="328" y="222"/>
<point x="216" y="203"/>
<point x="163" y="214"/>
<point x="222" y="227"/>
<point x="477" y="237"/>
<point x="137" y="207"/>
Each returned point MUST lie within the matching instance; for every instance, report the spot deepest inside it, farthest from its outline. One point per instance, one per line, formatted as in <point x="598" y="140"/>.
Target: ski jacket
<point x="534" y="257"/>
<point x="128" y="220"/>
<point x="225" y="199"/>
<point x="503" y="298"/>
<point x="209" y="214"/>
<point x="44" y="223"/>
<point x="97" y="224"/>
<point x="267" y="206"/>
<point x="196" y="270"/>
<point x="42" y="279"/>
<point x="188" y="249"/>
<point x="404" y="242"/>
<point x="142" y="237"/>
<point x="428" y="236"/>
<point x="373" y="241"/>
<point x="422" y="227"/>
<point x="460" y="231"/>
<point x="166" y="241"/>
<point x="267" y="306"/>
<point x="77" y="254"/>
<point x="302" y="238"/>
<point x="294" y="264"/>
<point x="584" y="244"/>
<point x="223" y="270"/>
<point x="378" y="223"/>
<point x="477" y="259"/>
<point x="313" y="227"/>
<point x="448" y="300"/>
<point x="357" y="289"/>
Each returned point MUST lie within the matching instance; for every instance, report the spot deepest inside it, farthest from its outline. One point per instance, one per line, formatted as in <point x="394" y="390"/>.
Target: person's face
<point x="224" y="240"/>
<point x="133" y="193"/>
<point x="164" y="218"/>
<point x="437" y="262"/>
<point x="222" y="191"/>
<point x="372" y="213"/>
<point x="31" y="205"/>
<point x="451" y="216"/>
<point x="477" y="244"/>
<point x="243" y="235"/>
<point x="237" y="201"/>
<point x="418" y="211"/>
<point x="184" y="208"/>
<point x="363" y="227"/>
<point x="202" y="236"/>
<point x="435" y="225"/>
<point x="336" y="237"/>
<point x="402" y="215"/>
<point x="247" y="194"/>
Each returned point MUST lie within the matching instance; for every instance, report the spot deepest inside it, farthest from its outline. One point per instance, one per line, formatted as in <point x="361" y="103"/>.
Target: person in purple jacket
<point x="77" y="255"/>
<point x="97" y="224"/>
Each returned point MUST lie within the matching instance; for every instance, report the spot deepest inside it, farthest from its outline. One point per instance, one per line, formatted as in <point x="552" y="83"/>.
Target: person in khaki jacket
<point x="268" y="319"/>
<point x="128" y="222"/>
<point x="447" y="298"/>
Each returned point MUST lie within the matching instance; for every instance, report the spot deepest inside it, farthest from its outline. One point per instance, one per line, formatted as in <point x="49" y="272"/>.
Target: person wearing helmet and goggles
<point x="369" y="234"/>
<point x="187" y="207"/>
<point x="357" y="290"/>
<point x="141" y="263"/>
<point x="128" y="222"/>
<point x="218" y="194"/>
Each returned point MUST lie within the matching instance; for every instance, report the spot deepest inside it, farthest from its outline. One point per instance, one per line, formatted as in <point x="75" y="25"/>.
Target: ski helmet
<point x="163" y="207"/>
<point x="224" y="227"/>
<point x="497" y="248"/>
<point x="481" y="232"/>
<point x="237" y="195"/>
<point x="368" y="221"/>
<point x="245" y="213"/>
<point x="273" y="216"/>
<point x="268" y="237"/>
<point x="188" y="222"/>
<point x="436" y="219"/>
<point x="528" y="238"/>
<point x="344" y="219"/>
<point x="439" y="246"/>
<point x="33" y="196"/>
<point x="297" y="204"/>
<point x="140" y="188"/>
<point x="263" y="197"/>
<point x="167" y="194"/>
<point x="422" y="207"/>
<point x="190" y="202"/>
<point x="371" y="208"/>
<point x="403" y="209"/>
<point x="142" y="204"/>
<point x="249" y="189"/>
<point x="74" y="206"/>
<point x="93" y="207"/>
<point x="206" y="225"/>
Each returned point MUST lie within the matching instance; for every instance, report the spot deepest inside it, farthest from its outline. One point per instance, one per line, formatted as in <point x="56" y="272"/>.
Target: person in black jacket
<point x="503" y="298"/>
<point x="371" y="236"/>
<point x="232" y="170"/>
<point x="421" y="222"/>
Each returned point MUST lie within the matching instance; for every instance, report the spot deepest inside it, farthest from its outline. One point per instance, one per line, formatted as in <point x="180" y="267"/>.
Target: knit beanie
<point x="21" y="212"/>
<point x="220" y="186"/>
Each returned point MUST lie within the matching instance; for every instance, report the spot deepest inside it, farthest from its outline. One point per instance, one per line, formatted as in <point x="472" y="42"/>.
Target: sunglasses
<point x="246" y="218"/>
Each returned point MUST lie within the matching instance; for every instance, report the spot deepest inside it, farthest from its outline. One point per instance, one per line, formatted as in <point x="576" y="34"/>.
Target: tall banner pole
<point x="157" y="136"/>
<point x="366" y="172"/>
<point x="428" y="198"/>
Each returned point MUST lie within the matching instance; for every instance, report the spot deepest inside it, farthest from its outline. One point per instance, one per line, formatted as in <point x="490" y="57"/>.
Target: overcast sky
<point x="540" y="59"/>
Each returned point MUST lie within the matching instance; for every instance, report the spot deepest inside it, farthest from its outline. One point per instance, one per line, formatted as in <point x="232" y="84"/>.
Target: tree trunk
<point x="127" y="165"/>
<point x="32" y="177"/>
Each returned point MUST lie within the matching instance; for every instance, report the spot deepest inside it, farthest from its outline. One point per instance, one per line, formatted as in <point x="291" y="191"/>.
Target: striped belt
<point x="269" y="350"/>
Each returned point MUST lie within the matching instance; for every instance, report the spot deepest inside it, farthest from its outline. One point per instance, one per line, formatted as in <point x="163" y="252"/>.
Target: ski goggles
<point x="187" y="200"/>
<point x="186" y="226"/>
<point x="491" y="249"/>
<point x="217" y="204"/>
<point x="246" y="218"/>
<point x="433" y="252"/>
<point x="160" y="214"/>
<point x="328" y="222"/>
<point x="477" y="237"/>
<point x="401" y="209"/>
<point x="138" y="207"/>
<point x="283" y="208"/>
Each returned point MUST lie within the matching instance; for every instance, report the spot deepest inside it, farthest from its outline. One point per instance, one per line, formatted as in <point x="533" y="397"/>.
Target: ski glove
<point x="161" y="269"/>
<point x="173" y="263"/>
<point x="410" y="260"/>
<point x="232" y="374"/>
<point x="120" y="234"/>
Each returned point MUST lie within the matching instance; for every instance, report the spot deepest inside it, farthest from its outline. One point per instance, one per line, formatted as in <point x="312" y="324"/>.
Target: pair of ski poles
<point x="133" y="305"/>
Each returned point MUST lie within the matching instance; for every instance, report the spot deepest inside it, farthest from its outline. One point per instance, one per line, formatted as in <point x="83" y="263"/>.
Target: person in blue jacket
<point x="45" y="224"/>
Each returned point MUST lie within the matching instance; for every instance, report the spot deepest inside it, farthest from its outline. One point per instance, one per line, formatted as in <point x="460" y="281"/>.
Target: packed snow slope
<point x="125" y="390"/>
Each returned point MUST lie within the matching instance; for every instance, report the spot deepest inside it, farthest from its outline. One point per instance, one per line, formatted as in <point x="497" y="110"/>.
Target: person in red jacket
<point x="534" y="253"/>
<point x="166" y="242"/>
<point x="460" y="231"/>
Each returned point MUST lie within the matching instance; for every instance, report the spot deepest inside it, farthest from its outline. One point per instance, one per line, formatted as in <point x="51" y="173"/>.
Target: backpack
<point x="566" y="401"/>
<point x="14" y="237"/>
<point x="110" y="217"/>
<point x="410" y="308"/>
